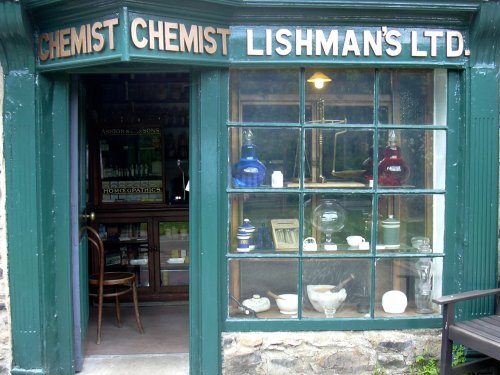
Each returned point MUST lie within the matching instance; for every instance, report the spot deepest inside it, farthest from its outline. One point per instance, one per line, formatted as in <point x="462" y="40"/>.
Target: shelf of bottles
<point x="174" y="253"/>
<point x="126" y="247"/>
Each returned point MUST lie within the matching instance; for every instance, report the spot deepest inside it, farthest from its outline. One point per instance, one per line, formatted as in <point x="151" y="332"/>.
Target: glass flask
<point x="249" y="171"/>
<point x="392" y="169"/>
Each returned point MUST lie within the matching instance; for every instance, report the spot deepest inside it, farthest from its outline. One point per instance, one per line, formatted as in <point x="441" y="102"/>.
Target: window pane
<point x="337" y="158"/>
<point x="405" y="287"/>
<point x="412" y="158"/>
<point x="346" y="98"/>
<point x="402" y="218"/>
<point x="263" y="222"/>
<point x="412" y="97"/>
<point x="336" y="288"/>
<point x="329" y="219"/>
<point x="250" y="282"/>
<point x="262" y="95"/>
<point x="255" y="153"/>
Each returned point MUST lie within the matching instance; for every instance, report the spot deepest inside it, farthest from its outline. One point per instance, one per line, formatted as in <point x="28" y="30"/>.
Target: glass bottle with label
<point x="249" y="171"/>
<point x="392" y="169"/>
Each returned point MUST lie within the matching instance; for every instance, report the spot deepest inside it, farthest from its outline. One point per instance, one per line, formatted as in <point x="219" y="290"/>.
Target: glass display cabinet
<point x="127" y="248"/>
<point x="354" y="225"/>
<point x="173" y="253"/>
<point x="156" y="249"/>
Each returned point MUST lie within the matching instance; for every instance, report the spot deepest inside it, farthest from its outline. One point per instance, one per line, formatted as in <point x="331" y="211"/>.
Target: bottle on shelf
<point x="392" y="169"/>
<point x="249" y="171"/>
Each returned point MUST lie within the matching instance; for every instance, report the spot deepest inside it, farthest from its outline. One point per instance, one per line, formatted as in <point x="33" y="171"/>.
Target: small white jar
<point x="277" y="179"/>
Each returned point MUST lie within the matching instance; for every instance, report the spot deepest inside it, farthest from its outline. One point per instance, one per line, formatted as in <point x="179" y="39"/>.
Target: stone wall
<point x="327" y="353"/>
<point x="5" y="341"/>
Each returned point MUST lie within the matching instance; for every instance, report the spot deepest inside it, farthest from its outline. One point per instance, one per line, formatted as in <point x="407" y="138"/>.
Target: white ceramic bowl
<point x="287" y="304"/>
<point x="322" y="297"/>
<point x="257" y="303"/>
<point x="394" y="302"/>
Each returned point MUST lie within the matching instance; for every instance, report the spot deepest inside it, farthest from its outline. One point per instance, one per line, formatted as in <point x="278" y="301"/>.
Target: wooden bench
<point x="481" y="335"/>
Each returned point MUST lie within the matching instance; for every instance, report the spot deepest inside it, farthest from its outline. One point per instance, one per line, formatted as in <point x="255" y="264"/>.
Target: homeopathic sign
<point x="179" y="39"/>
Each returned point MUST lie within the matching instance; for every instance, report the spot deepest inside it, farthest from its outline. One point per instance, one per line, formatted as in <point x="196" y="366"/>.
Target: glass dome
<point x="328" y="217"/>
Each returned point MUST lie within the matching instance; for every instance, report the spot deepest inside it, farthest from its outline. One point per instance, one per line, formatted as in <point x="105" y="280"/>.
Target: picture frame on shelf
<point x="285" y="234"/>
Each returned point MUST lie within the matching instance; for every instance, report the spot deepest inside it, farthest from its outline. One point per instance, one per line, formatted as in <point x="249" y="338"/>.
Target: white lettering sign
<point x="177" y="37"/>
<point x="333" y="42"/>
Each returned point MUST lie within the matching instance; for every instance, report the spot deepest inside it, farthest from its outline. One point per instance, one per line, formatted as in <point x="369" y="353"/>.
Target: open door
<point x="79" y="217"/>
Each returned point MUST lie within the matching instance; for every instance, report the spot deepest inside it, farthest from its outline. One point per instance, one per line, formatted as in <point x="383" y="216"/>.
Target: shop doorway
<point x="137" y="198"/>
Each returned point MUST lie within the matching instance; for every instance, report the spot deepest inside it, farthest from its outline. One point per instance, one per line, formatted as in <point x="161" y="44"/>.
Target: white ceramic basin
<point x="287" y="303"/>
<point x="322" y="297"/>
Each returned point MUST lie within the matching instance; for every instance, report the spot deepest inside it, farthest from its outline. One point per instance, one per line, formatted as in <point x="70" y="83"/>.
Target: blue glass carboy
<point x="249" y="171"/>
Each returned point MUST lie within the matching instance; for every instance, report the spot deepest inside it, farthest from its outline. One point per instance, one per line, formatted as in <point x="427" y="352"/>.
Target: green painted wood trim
<point x="485" y="35"/>
<point x="431" y="4"/>
<point x="455" y="172"/>
<point x="212" y="91"/>
<point x="54" y="144"/>
<point x="17" y="371"/>
<point x="480" y="253"/>
<point x="195" y="225"/>
<point x="35" y="200"/>
<point x="23" y="221"/>
<point x="37" y="203"/>
<point x="291" y="325"/>
<point x="16" y="49"/>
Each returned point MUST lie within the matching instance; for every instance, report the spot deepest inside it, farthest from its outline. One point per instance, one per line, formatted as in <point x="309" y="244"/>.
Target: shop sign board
<point x="128" y="36"/>
<point x="348" y="44"/>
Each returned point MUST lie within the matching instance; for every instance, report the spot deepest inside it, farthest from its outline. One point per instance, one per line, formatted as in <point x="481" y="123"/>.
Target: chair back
<point x="96" y="242"/>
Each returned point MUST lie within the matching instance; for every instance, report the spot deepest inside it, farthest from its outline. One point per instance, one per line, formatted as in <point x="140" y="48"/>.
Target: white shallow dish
<point x="175" y="260"/>
<point x="257" y="303"/>
<point x="138" y="262"/>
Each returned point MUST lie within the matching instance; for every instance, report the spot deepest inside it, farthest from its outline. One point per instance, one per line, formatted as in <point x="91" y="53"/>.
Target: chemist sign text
<point x="156" y="37"/>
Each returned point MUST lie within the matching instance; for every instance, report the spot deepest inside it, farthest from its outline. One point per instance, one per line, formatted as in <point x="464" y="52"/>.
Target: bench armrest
<point x="452" y="298"/>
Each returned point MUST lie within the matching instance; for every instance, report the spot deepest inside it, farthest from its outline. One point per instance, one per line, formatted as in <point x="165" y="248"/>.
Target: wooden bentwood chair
<point x="109" y="284"/>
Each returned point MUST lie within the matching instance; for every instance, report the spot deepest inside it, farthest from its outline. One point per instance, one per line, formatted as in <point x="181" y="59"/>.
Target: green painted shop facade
<point x="249" y="65"/>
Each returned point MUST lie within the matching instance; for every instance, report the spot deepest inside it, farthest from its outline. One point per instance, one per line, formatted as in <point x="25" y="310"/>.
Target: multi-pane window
<point x="336" y="192"/>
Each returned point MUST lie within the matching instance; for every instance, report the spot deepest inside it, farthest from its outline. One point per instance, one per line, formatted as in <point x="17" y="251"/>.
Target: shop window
<point x="336" y="193"/>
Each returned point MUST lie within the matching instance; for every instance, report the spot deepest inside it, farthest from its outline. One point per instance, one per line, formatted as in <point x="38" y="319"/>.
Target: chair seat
<point x="110" y="291"/>
<point x="482" y="334"/>
<point x="113" y="278"/>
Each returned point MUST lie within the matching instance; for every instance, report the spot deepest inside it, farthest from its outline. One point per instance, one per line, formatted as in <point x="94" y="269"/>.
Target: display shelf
<point x="348" y="311"/>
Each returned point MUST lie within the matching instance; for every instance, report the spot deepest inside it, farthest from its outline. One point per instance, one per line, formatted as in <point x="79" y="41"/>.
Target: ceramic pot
<point x="257" y="303"/>
<point x="287" y="303"/>
<point x="322" y="297"/>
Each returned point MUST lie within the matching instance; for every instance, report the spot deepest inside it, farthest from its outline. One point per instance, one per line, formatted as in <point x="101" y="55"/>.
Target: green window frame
<point x="296" y="115"/>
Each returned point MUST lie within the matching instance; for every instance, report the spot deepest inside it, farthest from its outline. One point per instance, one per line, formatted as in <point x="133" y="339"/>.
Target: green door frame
<point x="208" y="117"/>
<point x="44" y="150"/>
<point x="37" y="147"/>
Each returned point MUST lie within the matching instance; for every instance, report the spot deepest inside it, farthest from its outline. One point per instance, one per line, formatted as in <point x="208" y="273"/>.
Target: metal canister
<point x="390" y="232"/>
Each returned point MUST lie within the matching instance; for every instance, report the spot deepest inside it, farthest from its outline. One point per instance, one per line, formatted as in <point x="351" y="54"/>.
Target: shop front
<point x="308" y="176"/>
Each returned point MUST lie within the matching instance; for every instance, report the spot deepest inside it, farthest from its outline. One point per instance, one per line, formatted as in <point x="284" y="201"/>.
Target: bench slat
<point x="482" y="335"/>
<point x="490" y="324"/>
